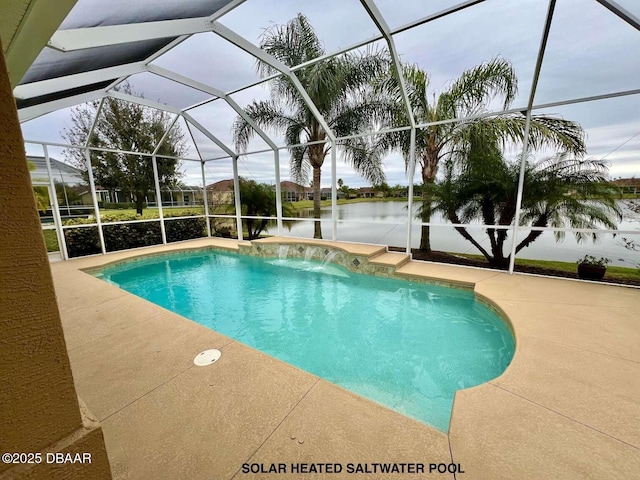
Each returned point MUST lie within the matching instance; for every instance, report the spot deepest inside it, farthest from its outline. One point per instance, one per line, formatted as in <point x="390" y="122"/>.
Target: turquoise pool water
<point x="407" y="346"/>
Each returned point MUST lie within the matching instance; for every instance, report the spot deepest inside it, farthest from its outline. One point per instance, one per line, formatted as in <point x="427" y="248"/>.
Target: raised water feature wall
<point x="320" y="253"/>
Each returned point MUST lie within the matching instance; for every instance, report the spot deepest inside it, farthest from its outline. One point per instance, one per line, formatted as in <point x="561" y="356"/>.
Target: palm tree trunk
<point x="425" y="216"/>
<point x="317" y="227"/>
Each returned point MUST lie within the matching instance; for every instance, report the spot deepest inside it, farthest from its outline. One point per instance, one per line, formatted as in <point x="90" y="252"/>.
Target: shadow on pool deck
<point x="566" y="408"/>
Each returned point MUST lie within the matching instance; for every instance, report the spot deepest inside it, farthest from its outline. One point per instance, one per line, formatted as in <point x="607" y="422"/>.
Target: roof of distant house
<point x="627" y="182"/>
<point x="295" y="187"/>
<point x="221" y="186"/>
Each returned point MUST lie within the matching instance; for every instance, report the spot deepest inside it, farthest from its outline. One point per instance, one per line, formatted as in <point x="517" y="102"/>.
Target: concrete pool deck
<point x="566" y="408"/>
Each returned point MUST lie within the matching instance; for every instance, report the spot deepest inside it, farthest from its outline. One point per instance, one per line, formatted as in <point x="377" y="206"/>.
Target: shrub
<point x="185" y="229"/>
<point x="119" y="206"/>
<point x="82" y="241"/>
<point x="86" y="241"/>
<point x="131" y="235"/>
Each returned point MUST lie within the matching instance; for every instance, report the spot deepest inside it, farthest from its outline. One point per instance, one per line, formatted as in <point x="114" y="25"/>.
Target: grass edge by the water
<point x="615" y="274"/>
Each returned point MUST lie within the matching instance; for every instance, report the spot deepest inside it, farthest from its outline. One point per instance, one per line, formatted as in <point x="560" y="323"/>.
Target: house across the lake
<point x="628" y="185"/>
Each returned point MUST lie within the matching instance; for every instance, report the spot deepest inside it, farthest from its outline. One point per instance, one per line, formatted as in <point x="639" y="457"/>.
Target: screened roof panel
<point x="590" y="51"/>
<point x="246" y="97"/>
<point x="208" y="148"/>
<point x="93" y="13"/>
<point x="48" y="128"/>
<point x="259" y="167"/>
<point x="412" y="10"/>
<point x="53" y="63"/>
<point x="493" y="29"/>
<point x="612" y="128"/>
<point x="159" y="89"/>
<point x="217" y="117"/>
<point x="192" y="151"/>
<point x="212" y="60"/>
<point x="327" y="18"/>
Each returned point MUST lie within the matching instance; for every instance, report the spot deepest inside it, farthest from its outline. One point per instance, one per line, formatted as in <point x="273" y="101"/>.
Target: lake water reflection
<point x="386" y="223"/>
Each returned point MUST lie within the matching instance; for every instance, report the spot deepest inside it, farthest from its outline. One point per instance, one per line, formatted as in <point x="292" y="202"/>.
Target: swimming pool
<point x="408" y="346"/>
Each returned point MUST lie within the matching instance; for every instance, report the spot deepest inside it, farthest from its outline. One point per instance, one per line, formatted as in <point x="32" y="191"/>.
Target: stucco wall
<point x="38" y="403"/>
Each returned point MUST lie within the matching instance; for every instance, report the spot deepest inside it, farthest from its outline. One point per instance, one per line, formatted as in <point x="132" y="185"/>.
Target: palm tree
<point x="560" y="191"/>
<point x="339" y="87"/>
<point x="465" y="97"/>
<point x="259" y="200"/>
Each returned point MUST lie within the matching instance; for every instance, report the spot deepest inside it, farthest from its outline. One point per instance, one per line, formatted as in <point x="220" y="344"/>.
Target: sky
<point x="590" y="52"/>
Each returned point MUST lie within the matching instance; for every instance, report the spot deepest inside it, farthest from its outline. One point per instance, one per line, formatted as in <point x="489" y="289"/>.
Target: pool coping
<point x="555" y="407"/>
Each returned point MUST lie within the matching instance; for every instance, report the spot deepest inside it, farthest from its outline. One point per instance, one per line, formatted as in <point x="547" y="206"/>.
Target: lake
<point x="386" y="223"/>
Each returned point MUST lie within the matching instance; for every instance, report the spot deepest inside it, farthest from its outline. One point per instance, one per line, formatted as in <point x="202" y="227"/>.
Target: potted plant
<point x="592" y="268"/>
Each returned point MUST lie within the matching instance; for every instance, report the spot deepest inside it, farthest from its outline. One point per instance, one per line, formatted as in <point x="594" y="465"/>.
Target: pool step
<point x="390" y="259"/>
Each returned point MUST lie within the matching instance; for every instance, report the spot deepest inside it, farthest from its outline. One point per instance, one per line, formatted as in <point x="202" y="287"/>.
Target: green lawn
<point x="51" y="240"/>
<point x="342" y="201"/>
<point x="151" y="213"/>
<point x="569" y="267"/>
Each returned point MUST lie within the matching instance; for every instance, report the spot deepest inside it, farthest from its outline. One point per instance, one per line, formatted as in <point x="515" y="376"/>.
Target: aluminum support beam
<point x="82" y="38"/>
<point x="231" y="5"/>
<point x="144" y="102"/>
<point x="176" y="77"/>
<point x="62" y="242"/>
<point x="334" y="194"/>
<point x="621" y="12"/>
<point x="208" y="134"/>
<point x="240" y="111"/>
<point x="380" y="22"/>
<point x="261" y="55"/>
<point x="411" y="175"/>
<point x="436" y="16"/>
<point x="165" y="135"/>
<point x="94" y="197"/>
<point x="525" y="147"/>
<point x="276" y="161"/>
<point x="205" y="194"/>
<point x="236" y="196"/>
<point x="156" y="181"/>
<point x="205" y="199"/>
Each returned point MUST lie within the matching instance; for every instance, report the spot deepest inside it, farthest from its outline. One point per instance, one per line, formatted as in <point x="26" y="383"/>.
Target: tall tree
<point x="560" y="191"/>
<point x="125" y="126"/>
<point x="469" y="95"/>
<point x="339" y="87"/>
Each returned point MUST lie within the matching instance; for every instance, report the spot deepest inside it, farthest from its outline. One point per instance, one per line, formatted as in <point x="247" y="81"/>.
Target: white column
<point x="334" y="194"/>
<point x="525" y="147"/>
<point x="205" y="199"/>
<point x="156" y="180"/>
<point x="56" y="208"/>
<point x="411" y="172"/>
<point x="276" y="158"/>
<point x="96" y="208"/>
<point x="236" y="193"/>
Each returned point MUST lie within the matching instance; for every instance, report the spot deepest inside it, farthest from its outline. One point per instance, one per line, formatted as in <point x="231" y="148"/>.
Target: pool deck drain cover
<point x="207" y="357"/>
